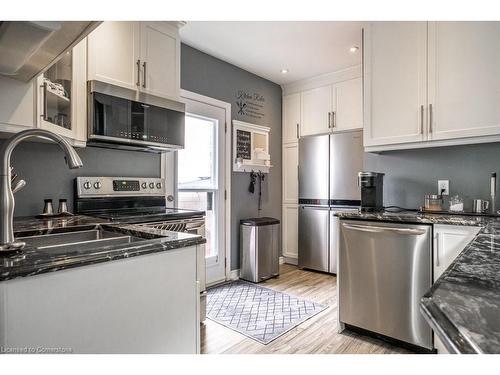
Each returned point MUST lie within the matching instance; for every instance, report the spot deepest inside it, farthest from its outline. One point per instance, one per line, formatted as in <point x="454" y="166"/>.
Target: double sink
<point x="82" y="240"/>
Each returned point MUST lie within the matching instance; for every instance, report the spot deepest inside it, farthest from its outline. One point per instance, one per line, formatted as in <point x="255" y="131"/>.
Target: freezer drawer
<point x="384" y="270"/>
<point x="313" y="238"/>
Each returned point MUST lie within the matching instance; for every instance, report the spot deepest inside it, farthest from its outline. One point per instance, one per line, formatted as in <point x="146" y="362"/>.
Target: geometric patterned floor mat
<point x="260" y="313"/>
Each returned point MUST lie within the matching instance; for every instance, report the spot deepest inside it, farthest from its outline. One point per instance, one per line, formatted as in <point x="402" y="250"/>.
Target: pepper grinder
<point x="47" y="207"/>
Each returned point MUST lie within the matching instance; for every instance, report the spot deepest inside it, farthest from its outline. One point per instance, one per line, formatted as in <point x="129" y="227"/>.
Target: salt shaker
<point x="63" y="207"/>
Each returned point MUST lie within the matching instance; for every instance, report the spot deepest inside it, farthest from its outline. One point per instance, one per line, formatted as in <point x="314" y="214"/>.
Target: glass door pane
<point x="203" y="201"/>
<point x="197" y="176"/>
<point x="57" y="92"/>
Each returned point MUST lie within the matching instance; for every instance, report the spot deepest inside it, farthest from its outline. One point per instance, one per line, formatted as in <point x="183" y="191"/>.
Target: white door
<point x="113" y="53"/>
<point x="395" y="62"/>
<point x="348" y="105"/>
<point x="291" y="117"/>
<point x="160" y="60"/>
<point x="464" y="79"/>
<point x="290" y="230"/>
<point x="201" y="178"/>
<point x="316" y="107"/>
<point x="290" y="173"/>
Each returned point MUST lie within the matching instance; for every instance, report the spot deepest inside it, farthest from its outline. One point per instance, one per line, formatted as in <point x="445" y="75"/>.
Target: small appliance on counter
<point x="372" y="190"/>
<point x="141" y="201"/>
<point x="480" y="206"/>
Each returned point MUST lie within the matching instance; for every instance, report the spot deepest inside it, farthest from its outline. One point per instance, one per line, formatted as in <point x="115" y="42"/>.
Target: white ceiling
<point x="306" y="49"/>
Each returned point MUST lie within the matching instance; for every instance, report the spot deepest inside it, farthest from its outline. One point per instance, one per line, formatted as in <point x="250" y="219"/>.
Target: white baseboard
<point x="290" y="260"/>
<point x="234" y="274"/>
<point x="282" y="260"/>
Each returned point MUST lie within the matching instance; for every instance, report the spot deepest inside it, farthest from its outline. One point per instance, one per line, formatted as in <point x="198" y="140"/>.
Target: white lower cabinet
<point x="143" y="304"/>
<point x="290" y="230"/>
<point x="290" y="173"/>
<point x="448" y="243"/>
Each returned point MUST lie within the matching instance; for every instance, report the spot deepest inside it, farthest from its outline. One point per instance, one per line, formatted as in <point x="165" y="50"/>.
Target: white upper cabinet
<point x="291" y="118"/>
<point x="464" y="79"/>
<point x="395" y="82"/>
<point x="160" y="59"/>
<point x="113" y="53"/>
<point x="348" y="105"/>
<point x="62" y="96"/>
<point x="16" y="105"/>
<point x="290" y="173"/>
<point x="316" y="111"/>
<point x="142" y="56"/>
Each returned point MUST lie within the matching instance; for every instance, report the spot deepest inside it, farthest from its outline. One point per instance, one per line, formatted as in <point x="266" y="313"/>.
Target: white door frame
<point x="227" y="166"/>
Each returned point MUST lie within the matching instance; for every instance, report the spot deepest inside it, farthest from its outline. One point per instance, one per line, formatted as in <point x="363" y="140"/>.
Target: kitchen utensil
<point x="433" y="202"/>
<point x="479" y="206"/>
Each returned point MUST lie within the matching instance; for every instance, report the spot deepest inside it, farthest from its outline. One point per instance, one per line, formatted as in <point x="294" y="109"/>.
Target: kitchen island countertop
<point x="463" y="305"/>
<point x="32" y="261"/>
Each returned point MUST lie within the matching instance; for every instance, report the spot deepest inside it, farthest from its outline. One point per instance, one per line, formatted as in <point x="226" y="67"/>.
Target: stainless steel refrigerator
<point x="328" y="169"/>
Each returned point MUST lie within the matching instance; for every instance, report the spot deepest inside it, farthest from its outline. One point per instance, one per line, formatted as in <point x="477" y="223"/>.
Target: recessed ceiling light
<point x="354" y="49"/>
<point x="284" y="71"/>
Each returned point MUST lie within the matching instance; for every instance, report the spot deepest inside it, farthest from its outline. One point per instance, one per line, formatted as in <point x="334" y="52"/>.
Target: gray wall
<point x="411" y="174"/>
<point x="43" y="167"/>
<point x="207" y="75"/>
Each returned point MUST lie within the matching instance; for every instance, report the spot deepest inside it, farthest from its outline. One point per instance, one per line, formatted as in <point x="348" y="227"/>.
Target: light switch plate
<point x="444" y="187"/>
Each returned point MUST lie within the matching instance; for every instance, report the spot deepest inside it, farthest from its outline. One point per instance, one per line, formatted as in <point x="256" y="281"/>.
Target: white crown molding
<point x="322" y="80"/>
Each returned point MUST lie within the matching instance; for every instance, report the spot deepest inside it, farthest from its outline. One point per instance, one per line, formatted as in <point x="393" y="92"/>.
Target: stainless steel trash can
<point x="259" y="248"/>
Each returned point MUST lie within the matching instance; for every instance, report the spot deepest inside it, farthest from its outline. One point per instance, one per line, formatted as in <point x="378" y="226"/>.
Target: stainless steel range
<point x="140" y="200"/>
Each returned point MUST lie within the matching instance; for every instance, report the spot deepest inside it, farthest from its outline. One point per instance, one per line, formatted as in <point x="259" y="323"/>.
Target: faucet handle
<point x="19" y="185"/>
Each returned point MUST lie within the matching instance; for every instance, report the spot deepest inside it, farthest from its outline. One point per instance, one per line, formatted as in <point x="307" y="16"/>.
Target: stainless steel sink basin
<point x="80" y="240"/>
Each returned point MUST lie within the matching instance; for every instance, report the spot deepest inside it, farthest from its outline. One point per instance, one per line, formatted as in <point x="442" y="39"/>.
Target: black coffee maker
<point x="372" y="191"/>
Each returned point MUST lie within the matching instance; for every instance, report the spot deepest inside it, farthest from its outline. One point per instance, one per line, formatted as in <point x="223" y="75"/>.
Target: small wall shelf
<point x="250" y="147"/>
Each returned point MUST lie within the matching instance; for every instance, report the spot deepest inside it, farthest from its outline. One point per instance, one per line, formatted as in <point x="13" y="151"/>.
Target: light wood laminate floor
<point x="316" y="335"/>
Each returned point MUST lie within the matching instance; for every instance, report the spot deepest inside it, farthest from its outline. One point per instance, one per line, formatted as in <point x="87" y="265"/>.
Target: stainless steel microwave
<point x="128" y="119"/>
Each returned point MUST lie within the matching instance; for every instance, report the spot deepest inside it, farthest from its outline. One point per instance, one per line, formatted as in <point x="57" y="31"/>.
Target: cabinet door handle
<point x="298" y="131"/>
<point x="44" y="101"/>
<point x="334" y="119"/>
<point x="437" y="249"/>
<point x="430" y="118"/>
<point x="422" y="119"/>
<point x="329" y="120"/>
<point x="138" y="82"/>
<point x="144" y="81"/>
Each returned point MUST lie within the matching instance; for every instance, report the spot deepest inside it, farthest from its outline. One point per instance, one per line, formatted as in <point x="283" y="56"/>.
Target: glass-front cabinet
<point x="62" y="96"/>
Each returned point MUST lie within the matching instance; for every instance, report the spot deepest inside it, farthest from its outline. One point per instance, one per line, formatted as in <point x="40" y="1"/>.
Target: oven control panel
<point x="92" y="187"/>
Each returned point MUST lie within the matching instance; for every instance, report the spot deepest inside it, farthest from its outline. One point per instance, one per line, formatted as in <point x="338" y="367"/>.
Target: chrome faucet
<point x="7" y="241"/>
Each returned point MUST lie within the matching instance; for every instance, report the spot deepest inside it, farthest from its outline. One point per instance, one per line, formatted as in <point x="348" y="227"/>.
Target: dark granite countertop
<point x="34" y="261"/>
<point x="463" y="305"/>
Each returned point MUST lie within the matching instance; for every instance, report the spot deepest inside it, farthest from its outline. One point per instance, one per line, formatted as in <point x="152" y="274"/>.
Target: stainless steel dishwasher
<point x="384" y="270"/>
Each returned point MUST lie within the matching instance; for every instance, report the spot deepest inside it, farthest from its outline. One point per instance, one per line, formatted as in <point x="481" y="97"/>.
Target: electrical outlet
<point x="444" y="187"/>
